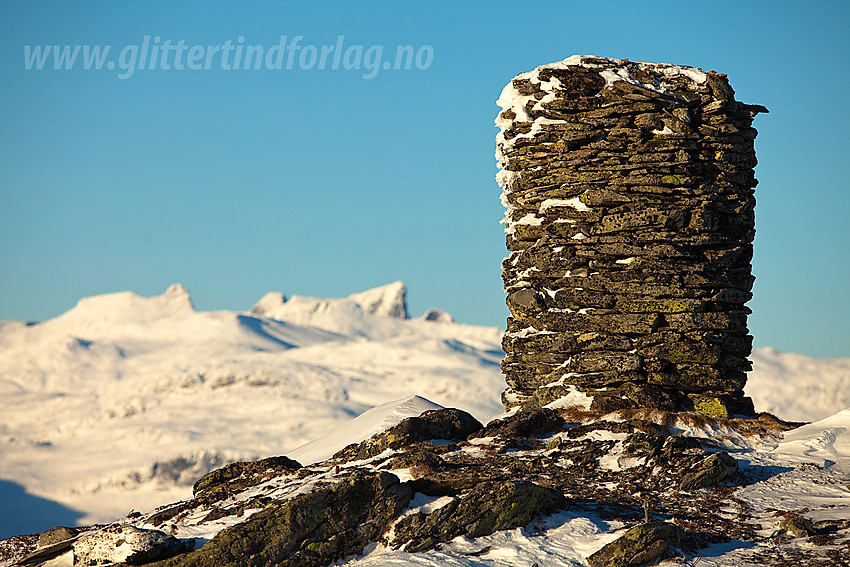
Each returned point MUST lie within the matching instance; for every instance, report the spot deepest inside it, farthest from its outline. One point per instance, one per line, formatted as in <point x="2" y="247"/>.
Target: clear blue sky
<point x="323" y="182"/>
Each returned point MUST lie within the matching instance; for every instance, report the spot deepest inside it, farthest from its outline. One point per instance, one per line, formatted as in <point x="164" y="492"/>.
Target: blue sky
<point x="323" y="182"/>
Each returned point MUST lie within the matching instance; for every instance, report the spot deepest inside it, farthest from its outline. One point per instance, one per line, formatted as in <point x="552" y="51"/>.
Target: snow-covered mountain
<point x="798" y="387"/>
<point x="124" y="401"/>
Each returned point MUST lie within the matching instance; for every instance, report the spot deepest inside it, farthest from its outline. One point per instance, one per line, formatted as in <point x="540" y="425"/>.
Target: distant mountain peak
<point x="178" y="295"/>
<point x="437" y="316"/>
<point x="385" y="301"/>
<point x="268" y="304"/>
<point x="372" y="313"/>
<point x="100" y="314"/>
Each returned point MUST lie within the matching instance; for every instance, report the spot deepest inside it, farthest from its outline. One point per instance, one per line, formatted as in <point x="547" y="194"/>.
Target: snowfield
<point x="123" y="402"/>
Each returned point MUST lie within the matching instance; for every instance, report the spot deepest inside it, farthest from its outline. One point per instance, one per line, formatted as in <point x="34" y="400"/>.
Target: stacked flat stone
<point x="629" y="193"/>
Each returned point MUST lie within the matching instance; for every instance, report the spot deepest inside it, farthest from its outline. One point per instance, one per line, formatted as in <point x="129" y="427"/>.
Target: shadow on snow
<point x="23" y="513"/>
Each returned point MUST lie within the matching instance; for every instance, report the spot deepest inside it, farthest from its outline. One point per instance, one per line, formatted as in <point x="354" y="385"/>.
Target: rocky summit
<point x="441" y="476"/>
<point x="629" y="195"/>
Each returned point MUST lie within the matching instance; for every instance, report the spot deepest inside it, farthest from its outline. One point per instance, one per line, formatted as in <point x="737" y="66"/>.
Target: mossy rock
<point x="638" y="546"/>
<point x="712" y="407"/>
<point x="673" y="180"/>
<point x="447" y="424"/>
<point x="237" y="476"/>
<point x="659" y="305"/>
<point x="310" y="530"/>
<point x="489" y="507"/>
<point x="681" y="353"/>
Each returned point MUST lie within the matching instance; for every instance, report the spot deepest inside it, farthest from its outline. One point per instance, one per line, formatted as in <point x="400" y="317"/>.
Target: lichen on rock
<point x="312" y="529"/>
<point x="639" y="545"/>
<point x="489" y="507"/>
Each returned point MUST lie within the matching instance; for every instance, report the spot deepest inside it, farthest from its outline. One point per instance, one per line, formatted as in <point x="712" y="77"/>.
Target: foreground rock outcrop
<point x="629" y="194"/>
<point x="490" y="506"/>
<point x="432" y="478"/>
<point x="639" y="545"/>
<point x="311" y="529"/>
<point x="128" y="545"/>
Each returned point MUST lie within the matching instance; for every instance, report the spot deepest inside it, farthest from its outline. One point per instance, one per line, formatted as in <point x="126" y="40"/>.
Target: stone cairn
<point x="629" y="193"/>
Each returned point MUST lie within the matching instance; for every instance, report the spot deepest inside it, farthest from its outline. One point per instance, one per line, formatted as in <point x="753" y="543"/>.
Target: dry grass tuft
<point x="764" y="424"/>
<point x="576" y="414"/>
<point x="420" y="469"/>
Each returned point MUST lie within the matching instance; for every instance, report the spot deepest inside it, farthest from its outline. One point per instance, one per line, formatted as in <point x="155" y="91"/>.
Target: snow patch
<point x="825" y="442"/>
<point x="573" y="398"/>
<point x="375" y="420"/>
<point x="575" y="203"/>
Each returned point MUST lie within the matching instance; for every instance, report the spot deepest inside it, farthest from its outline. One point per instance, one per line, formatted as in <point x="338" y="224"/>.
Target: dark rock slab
<point x="526" y="423"/>
<point x="237" y="476"/>
<point x="489" y="507"/>
<point x="712" y="470"/>
<point x="310" y="530"/>
<point x="56" y="535"/>
<point x="447" y="424"/>
<point x="638" y="546"/>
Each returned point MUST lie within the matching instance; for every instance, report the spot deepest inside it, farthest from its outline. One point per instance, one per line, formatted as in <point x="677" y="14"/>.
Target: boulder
<point x="56" y="535"/>
<point x="310" y="530"/>
<point x="798" y="526"/>
<point x="447" y="424"/>
<point x="126" y="544"/>
<point x="526" y="423"/>
<point x="638" y="546"/>
<point x="711" y="470"/>
<point x="489" y="507"/>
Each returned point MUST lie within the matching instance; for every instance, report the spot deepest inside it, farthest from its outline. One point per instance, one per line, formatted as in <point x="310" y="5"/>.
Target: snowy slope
<point x="825" y="443"/>
<point x="123" y="401"/>
<point x="798" y="387"/>
<point x="375" y="420"/>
